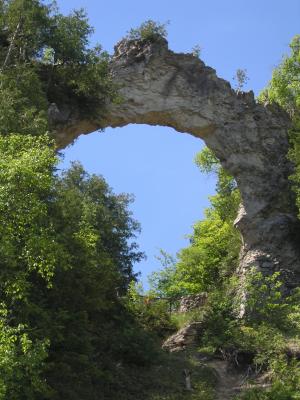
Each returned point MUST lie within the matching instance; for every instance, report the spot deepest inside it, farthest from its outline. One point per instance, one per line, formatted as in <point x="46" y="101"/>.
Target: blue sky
<point x="156" y="163"/>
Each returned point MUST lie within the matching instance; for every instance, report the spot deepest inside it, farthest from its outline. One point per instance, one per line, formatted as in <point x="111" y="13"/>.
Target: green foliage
<point x="213" y="253"/>
<point x="206" y="161"/>
<point x="45" y="57"/>
<point x="94" y="228"/>
<point x="164" y="281"/>
<point x="151" y="312"/>
<point x="284" y="89"/>
<point x="27" y="238"/>
<point x="265" y="302"/>
<point x="25" y="27"/>
<point x="21" y="361"/>
<point x="267" y="307"/>
<point x="21" y="95"/>
<point x="67" y="252"/>
<point x="285" y="383"/>
<point x="269" y="328"/>
<point x="70" y="37"/>
<point x="98" y="221"/>
<point x="76" y="74"/>
<point x="219" y="317"/>
<point x="149" y="31"/>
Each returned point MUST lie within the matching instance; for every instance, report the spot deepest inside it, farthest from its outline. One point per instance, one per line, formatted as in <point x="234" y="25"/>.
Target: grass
<point x="182" y="319"/>
<point x="165" y="381"/>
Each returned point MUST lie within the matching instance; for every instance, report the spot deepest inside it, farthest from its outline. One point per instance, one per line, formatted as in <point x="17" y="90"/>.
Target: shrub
<point x="149" y="31"/>
<point x="152" y="313"/>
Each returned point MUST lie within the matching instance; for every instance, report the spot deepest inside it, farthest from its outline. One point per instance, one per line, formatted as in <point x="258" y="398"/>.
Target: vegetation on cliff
<point x="269" y="333"/>
<point x="45" y="58"/>
<point x="284" y="89"/>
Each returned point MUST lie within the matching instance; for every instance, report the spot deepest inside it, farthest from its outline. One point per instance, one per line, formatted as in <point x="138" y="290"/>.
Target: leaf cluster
<point x="149" y="30"/>
<point x="151" y="312"/>
<point x="284" y="89"/>
<point x="45" y="57"/>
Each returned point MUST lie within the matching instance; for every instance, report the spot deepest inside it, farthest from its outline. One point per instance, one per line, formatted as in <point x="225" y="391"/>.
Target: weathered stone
<point x="184" y="338"/>
<point x="192" y="302"/>
<point x="160" y="87"/>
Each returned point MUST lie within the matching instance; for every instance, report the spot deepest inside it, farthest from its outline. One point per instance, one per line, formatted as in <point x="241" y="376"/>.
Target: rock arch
<point x="160" y="87"/>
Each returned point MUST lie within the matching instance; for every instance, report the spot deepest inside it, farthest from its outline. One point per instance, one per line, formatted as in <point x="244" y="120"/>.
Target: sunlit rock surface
<point x="160" y="87"/>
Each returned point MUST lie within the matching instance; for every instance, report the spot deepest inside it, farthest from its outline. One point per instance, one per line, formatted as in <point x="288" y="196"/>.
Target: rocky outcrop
<point x="184" y="338"/>
<point x="192" y="302"/>
<point x="160" y="87"/>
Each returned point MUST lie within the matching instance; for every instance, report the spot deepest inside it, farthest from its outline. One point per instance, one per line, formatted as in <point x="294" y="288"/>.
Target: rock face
<point x="159" y="87"/>
<point x="184" y="338"/>
<point x="192" y="302"/>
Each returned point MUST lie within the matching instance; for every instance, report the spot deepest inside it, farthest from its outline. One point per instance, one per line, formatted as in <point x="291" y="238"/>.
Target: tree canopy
<point x="66" y="260"/>
<point x="45" y="58"/>
<point x="284" y="89"/>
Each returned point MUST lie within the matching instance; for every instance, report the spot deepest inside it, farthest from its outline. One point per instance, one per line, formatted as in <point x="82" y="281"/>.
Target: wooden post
<point x="187" y="375"/>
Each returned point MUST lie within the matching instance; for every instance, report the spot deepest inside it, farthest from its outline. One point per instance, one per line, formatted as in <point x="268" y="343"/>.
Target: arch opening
<point x="170" y="193"/>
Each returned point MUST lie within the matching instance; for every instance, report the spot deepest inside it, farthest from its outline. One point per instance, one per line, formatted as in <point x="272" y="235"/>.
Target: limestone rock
<point x="192" y="302"/>
<point x="160" y="87"/>
<point x="184" y="338"/>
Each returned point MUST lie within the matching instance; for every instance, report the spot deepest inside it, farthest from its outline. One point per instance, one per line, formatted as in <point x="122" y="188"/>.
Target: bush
<point x="285" y="383"/>
<point x="152" y="313"/>
<point x="149" y="31"/>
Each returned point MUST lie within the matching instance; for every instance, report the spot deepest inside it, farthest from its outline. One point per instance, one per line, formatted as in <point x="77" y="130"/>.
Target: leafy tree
<point x="45" y="58"/>
<point x="284" y="85"/>
<point x="284" y="89"/>
<point x="27" y="239"/>
<point x="21" y="361"/>
<point x="213" y="253"/>
<point x="25" y="25"/>
<point x="152" y="313"/>
<point x="164" y="281"/>
<point x="28" y="248"/>
<point x="21" y="95"/>
<point x="149" y="31"/>
<point x="67" y="252"/>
